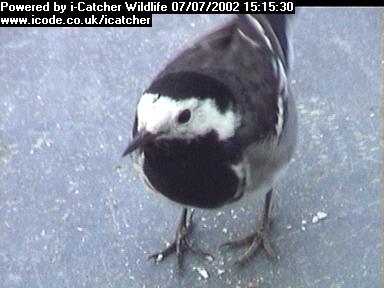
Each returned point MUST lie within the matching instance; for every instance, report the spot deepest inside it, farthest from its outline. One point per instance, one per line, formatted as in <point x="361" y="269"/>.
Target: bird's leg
<point x="258" y="238"/>
<point x="181" y="243"/>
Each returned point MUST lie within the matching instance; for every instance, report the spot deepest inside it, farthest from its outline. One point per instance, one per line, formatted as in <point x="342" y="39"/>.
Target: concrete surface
<point x="72" y="213"/>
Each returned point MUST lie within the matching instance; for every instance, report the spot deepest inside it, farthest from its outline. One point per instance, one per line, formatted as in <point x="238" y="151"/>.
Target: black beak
<point x="141" y="138"/>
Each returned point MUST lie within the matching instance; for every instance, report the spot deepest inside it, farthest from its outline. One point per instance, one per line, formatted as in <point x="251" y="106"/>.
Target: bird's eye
<point x="184" y="116"/>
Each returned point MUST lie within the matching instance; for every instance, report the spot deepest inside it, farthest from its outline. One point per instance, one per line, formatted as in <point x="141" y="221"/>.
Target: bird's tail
<point x="270" y="30"/>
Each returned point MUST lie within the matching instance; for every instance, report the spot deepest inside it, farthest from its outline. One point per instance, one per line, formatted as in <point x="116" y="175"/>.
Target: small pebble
<point x="322" y="215"/>
<point x="159" y="258"/>
<point x="203" y="273"/>
<point x="220" y="271"/>
<point x="209" y="258"/>
<point x="319" y="216"/>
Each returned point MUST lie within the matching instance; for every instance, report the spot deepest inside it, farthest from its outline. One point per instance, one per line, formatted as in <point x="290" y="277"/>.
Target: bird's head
<point x="183" y="106"/>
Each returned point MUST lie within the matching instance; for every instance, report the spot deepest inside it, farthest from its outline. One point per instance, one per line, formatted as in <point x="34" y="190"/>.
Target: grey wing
<point x="264" y="78"/>
<point x="205" y="54"/>
<point x="245" y="54"/>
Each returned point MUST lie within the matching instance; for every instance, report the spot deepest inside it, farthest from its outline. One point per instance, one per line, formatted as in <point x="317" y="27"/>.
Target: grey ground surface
<point x="72" y="213"/>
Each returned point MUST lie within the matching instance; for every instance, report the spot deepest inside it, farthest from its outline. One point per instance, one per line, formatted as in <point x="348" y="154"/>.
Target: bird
<point x="218" y="126"/>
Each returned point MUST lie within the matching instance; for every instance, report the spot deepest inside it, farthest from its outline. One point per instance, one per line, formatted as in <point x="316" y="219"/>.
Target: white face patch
<point x="159" y="114"/>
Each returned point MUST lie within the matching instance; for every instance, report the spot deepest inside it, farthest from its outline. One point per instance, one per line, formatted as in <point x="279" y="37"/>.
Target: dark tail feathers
<point x="277" y="23"/>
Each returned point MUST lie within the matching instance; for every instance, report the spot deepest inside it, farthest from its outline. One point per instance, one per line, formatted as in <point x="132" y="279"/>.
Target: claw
<point x="257" y="239"/>
<point x="181" y="244"/>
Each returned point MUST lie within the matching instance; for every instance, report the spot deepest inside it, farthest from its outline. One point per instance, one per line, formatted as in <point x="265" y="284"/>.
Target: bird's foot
<point x="181" y="244"/>
<point x="258" y="239"/>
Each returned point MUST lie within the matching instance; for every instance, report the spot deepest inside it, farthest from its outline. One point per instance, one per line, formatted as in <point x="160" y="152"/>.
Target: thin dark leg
<point x="258" y="238"/>
<point x="181" y="244"/>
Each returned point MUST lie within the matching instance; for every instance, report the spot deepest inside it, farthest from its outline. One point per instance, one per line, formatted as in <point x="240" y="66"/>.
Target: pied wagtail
<point x="218" y="124"/>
